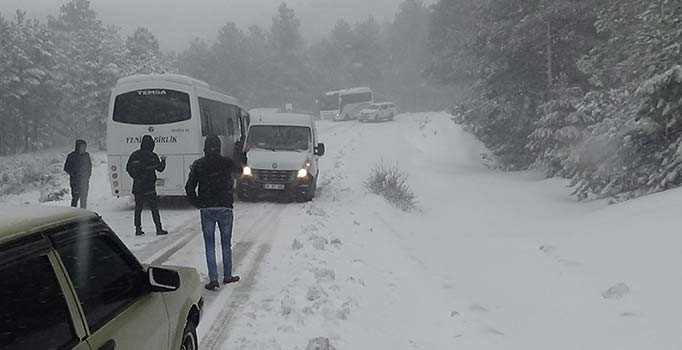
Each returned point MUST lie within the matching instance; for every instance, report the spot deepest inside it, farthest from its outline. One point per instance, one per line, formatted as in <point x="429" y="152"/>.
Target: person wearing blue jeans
<point x="212" y="174"/>
<point x="223" y="218"/>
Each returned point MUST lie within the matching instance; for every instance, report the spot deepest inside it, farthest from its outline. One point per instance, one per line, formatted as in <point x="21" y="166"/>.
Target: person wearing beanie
<point x="142" y="167"/>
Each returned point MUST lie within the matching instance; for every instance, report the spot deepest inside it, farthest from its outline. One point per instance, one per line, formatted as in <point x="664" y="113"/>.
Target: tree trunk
<point x="550" y="68"/>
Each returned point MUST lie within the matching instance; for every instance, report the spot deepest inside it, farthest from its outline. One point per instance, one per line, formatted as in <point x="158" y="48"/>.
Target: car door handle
<point x="109" y="345"/>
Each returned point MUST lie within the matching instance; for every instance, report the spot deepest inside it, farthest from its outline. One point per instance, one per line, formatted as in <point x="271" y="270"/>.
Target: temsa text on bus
<point x="150" y="92"/>
<point x="157" y="139"/>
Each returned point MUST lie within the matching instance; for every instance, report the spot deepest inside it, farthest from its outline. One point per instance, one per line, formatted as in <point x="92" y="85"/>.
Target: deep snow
<point x="490" y="260"/>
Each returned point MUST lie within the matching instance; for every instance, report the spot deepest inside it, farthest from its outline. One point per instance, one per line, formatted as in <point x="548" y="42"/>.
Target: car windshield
<point x="279" y="138"/>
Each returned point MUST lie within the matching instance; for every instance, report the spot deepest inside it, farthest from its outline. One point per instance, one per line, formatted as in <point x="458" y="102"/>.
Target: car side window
<point x="33" y="310"/>
<point x="104" y="275"/>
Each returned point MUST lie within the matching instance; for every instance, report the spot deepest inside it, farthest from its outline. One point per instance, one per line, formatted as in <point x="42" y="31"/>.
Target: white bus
<point x="352" y="101"/>
<point x="329" y="105"/>
<point x="178" y="112"/>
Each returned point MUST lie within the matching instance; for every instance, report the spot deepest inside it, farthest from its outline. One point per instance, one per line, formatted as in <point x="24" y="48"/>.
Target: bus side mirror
<point x="320" y="149"/>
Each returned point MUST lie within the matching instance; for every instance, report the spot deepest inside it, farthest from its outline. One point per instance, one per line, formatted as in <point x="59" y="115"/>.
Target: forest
<point x="56" y="75"/>
<point x="589" y="90"/>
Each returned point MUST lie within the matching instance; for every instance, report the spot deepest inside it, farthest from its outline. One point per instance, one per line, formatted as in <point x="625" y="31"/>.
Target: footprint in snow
<point x="320" y="344"/>
<point x="336" y="242"/>
<point x="296" y="245"/>
<point x="315" y="293"/>
<point x="617" y="291"/>
<point x="288" y="305"/>
<point x="547" y="248"/>
<point x="314" y="211"/>
<point x="319" y="243"/>
<point x="477" y="308"/>
<point x="492" y="331"/>
<point x="324" y="275"/>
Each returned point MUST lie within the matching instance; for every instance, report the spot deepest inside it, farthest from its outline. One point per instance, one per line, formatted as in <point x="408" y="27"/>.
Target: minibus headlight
<point x="302" y="173"/>
<point x="247" y="171"/>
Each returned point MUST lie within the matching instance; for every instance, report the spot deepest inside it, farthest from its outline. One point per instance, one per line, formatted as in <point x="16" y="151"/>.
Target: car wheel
<point x="243" y="196"/>
<point x="189" y="337"/>
<point x="391" y="116"/>
<point x="311" y="195"/>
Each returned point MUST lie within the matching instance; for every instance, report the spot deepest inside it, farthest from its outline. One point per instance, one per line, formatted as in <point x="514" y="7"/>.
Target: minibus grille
<point x="274" y="176"/>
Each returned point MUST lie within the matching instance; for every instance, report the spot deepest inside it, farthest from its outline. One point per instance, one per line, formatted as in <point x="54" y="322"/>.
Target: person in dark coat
<point x="79" y="167"/>
<point x="142" y="167"/>
<point x="213" y="176"/>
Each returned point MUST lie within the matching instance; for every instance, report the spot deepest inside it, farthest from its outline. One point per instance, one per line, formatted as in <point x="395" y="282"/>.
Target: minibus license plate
<point x="273" y="186"/>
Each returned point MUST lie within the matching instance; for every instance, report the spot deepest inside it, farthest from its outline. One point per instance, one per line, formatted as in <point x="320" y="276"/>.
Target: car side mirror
<point x="163" y="280"/>
<point x="320" y="149"/>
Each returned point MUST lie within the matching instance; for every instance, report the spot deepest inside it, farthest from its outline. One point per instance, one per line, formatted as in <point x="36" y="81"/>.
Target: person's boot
<point x="230" y="279"/>
<point x="213" y="285"/>
<point x="161" y="232"/>
<point x="139" y="232"/>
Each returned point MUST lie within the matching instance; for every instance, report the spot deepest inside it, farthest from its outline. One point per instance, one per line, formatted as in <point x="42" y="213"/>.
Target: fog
<point x="175" y="22"/>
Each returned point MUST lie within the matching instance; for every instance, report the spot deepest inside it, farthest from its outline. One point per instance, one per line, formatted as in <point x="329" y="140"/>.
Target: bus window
<point x="152" y="107"/>
<point x="218" y="118"/>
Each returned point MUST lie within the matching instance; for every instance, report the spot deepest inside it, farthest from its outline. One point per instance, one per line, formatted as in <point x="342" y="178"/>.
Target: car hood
<point x="368" y="111"/>
<point x="279" y="160"/>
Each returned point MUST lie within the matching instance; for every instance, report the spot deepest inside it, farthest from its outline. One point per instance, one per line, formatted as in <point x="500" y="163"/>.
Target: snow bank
<point x="492" y="261"/>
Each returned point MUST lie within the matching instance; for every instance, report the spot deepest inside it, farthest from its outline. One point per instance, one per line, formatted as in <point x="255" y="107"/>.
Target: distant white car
<point x="378" y="112"/>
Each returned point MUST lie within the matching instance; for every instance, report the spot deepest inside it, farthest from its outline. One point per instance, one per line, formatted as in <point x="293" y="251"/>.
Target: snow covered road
<point x="490" y="260"/>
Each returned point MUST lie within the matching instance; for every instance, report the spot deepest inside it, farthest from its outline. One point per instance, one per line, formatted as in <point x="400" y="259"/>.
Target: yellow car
<point x="68" y="282"/>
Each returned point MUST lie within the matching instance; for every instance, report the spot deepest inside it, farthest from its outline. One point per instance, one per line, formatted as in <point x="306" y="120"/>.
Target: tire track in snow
<point x="185" y="233"/>
<point x="218" y="329"/>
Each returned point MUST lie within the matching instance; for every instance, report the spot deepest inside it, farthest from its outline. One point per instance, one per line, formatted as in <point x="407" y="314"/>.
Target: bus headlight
<point x="247" y="171"/>
<point x="302" y="173"/>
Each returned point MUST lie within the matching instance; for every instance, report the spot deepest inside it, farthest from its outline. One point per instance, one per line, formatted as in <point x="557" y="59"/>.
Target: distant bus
<point x="329" y="105"/>
<point x="352" y="101"/>
<point x="178" y="112"/>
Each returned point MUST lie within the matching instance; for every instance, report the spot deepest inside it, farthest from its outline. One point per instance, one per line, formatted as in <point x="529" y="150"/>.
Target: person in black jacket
<point x="79" y="167"/>
<point x="213" y="175"/>
<point x="142" y="167"/>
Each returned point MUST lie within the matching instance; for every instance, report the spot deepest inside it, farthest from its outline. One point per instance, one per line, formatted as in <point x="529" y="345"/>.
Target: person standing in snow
<point x="142" y="167"/>
<point x="79" y="167"/>
<point x="213" y="175"/>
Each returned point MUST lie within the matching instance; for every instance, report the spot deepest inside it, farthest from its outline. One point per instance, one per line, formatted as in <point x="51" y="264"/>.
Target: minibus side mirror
<point x="320" y="150"/>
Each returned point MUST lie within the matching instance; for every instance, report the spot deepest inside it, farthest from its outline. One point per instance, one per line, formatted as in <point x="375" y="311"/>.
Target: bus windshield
<point x="328" y="102"/>
<point x="279" y="138"/>
<point x="152" y="107"/>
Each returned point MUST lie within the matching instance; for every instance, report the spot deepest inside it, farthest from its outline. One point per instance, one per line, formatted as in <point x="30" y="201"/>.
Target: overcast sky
<point x="175" y="22"/>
